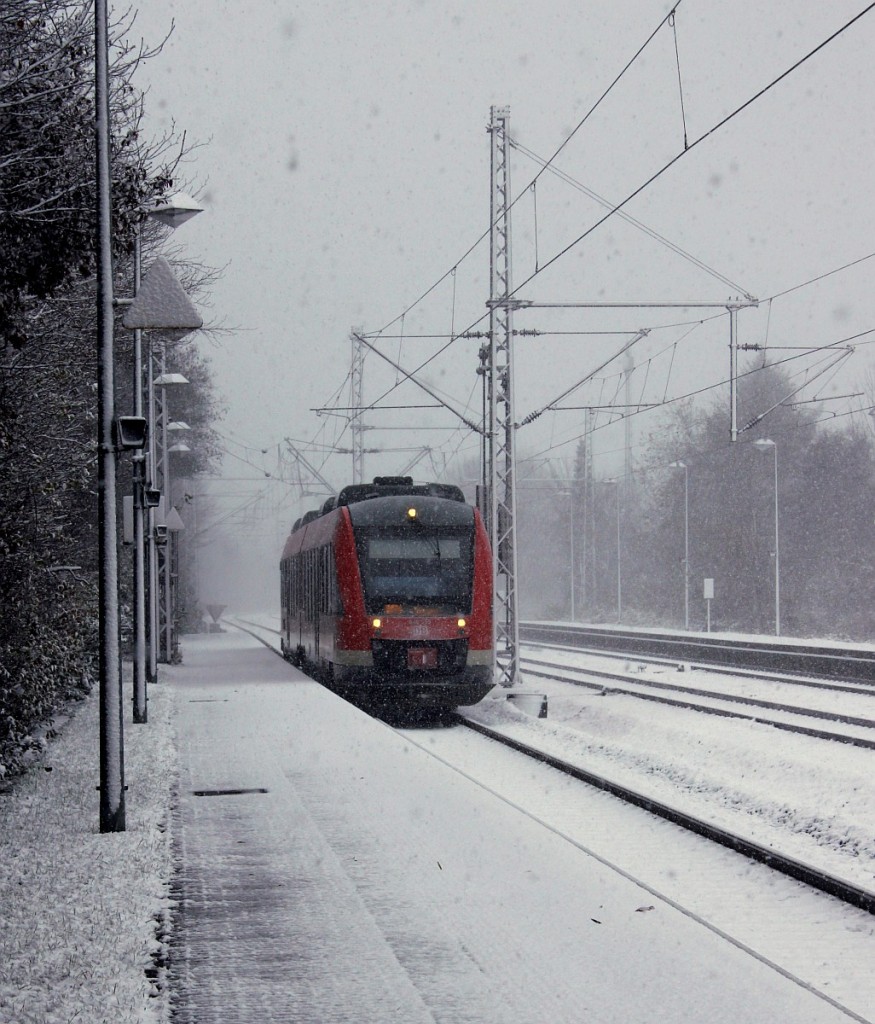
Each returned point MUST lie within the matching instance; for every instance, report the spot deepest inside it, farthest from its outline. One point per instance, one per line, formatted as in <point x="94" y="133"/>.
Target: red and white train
<point x="386" y="592"/>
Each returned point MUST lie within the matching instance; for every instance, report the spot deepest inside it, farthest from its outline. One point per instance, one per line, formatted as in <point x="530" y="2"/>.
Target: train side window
<point x="335" y="605"/>
<point x="321" y="589"/>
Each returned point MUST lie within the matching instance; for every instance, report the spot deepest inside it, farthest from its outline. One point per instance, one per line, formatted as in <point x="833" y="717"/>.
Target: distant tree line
<point x="48" y="490"/>
<point x="826" y="519"/>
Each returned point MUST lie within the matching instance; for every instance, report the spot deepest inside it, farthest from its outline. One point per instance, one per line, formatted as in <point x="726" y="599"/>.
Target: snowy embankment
<point x="84" y="914"/>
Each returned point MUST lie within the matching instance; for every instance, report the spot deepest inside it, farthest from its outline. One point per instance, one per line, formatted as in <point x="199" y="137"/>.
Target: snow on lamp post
<point x="111" y="754"/>
<point x="763" y="445"/>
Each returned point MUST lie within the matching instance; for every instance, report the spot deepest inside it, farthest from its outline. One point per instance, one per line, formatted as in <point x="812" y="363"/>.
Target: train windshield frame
<point x="406" y="568"/>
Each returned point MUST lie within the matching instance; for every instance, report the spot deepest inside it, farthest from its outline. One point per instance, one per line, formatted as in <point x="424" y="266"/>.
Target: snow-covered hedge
<point x="48" y="657"/>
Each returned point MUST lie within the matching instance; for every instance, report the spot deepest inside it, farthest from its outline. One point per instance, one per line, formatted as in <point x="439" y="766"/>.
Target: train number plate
<point x="422" y="657"/>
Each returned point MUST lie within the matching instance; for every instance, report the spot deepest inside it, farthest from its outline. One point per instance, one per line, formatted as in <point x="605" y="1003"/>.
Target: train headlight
<point x="461" y="623"/>
<point x="411" y="513"/>
<point x="377" y="623"/>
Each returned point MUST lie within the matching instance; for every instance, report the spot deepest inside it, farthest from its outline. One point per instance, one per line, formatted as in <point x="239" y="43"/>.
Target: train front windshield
<point x="402" y="570"/>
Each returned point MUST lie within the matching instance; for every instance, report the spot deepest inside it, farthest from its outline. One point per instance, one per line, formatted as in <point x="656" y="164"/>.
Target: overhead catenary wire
<point x="697" y="142"/>
<point x="856" y="338"/>
<point x="640" y="225"/>
<point x="820" y="277"/>
<point x="618" y="207"/>
<point x="558" y="150"/>
<point x="568" y="391"/>
<point x="674" y="29"/>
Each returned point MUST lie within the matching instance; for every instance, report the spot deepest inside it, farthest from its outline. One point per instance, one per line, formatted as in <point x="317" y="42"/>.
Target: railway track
<point x="846" y="891"/>
<point x="817" y="661"/>
<point x="823" y="881"/>
<point x="638" y="686"/>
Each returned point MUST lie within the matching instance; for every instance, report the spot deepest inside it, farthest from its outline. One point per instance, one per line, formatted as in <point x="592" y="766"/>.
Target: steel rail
<point x="839" y="888"/>
<point x="802" y="730"/>
<point x="559" y="673"/>
<point x="833" y="686"/>
<point x="823" y="662"/>
<point x="693" y="691"/>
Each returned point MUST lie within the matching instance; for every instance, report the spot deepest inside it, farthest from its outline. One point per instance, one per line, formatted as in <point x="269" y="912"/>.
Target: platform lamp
<point x="161" y="632"/>
<point x="685" y="468"/>
<point x="763" y="445"/>
<point x="570" y="495"/>
<point x="161" y="305"/>
<point x="171" y="211"/>
<point x="174" y="526"/>
<point x="617" y="483"/>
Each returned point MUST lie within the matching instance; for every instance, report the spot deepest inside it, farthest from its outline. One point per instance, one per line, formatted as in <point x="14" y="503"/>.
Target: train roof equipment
<point x="381" y="487"/>
<point x="387" y="486"/>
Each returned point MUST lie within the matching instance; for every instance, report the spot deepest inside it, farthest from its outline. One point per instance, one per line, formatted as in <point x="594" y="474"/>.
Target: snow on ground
<point x="81" y="910"/>
<point x="807" y="797"/>
<point x="811" y="798"/>
<point x="360" y="835"/>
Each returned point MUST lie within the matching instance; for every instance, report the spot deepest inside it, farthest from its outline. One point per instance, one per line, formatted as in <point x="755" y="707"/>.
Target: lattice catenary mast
<point x="500" y="485"/>
<point x="357" y="428"/>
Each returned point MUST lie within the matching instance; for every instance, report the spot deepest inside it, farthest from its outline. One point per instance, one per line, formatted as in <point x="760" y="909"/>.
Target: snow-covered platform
<point x="331" y="871"/>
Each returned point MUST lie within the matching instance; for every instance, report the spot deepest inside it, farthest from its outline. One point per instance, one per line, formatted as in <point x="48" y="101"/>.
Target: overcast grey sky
<point x="345" y="171"/>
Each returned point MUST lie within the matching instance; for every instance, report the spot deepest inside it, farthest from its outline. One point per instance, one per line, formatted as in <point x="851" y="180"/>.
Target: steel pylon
<point x="356" y="425"/>
<point x="500" y="485"/>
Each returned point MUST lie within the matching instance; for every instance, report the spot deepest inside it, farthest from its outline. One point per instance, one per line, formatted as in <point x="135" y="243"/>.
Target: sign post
<point x="709" y="597"/>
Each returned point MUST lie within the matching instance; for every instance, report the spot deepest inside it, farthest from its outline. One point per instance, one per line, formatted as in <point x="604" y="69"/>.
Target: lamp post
<point x="570" y="495"/>
<point x="764" y="444"/>
<point x="139" y="473"/>
<point x="616" y="483"/>
<point x="162" y="636"/>
<point x="112" y="775"/>
<point x="685" y="468"/>
<point x="174" y="524"/>
<point x="171" y="211"/>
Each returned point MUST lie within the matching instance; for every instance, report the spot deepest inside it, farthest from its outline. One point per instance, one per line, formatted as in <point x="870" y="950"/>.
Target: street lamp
<point x="764" y="444"/>
<point x="171" y="211"/>
<point x="174" y="524"/>
<point x="165" y="571"/>
<point x="112" y="773"/>
<point x="685" y="468"/>
<point x="570" y="495"/>
<point x="616" y="482"/>
<point x="174" y="209"/>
